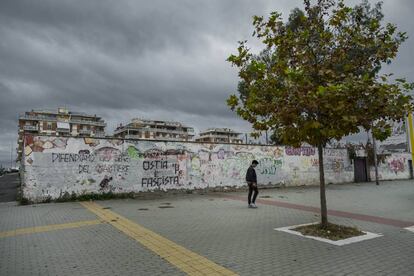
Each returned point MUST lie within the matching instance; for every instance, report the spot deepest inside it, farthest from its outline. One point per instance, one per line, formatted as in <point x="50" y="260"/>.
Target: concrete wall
<point x="55" y="165"/>
<point x="395" y="166"/>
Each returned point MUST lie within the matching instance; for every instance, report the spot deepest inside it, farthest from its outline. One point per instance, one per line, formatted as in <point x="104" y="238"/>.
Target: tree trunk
<point x="324" y="212"/>
<point x="374" y="147"/>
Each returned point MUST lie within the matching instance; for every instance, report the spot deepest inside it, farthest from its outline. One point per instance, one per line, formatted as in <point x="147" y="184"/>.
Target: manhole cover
<point x="143" y="209"/>
<point x="165" y="206"/>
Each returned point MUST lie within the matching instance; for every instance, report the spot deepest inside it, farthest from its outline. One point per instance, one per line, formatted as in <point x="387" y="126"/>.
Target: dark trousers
<point x="252" y="188"/>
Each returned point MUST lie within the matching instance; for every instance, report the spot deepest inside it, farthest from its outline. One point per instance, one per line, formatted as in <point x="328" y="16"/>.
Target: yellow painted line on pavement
<point x="182" y="258"/>
<point x="47" y="228"/>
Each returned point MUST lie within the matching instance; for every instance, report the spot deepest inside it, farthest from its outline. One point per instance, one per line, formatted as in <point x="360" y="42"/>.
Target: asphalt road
<point x="9" y="184"/>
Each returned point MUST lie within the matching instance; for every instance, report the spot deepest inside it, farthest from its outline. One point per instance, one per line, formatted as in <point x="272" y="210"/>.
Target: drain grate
<point x="165" y="206"/>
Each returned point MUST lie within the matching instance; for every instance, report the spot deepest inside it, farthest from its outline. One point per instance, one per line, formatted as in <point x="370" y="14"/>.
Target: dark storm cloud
<point x="124" y="59"/>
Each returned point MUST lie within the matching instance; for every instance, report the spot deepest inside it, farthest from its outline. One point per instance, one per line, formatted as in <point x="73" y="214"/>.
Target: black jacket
<point x="251" y="175"/>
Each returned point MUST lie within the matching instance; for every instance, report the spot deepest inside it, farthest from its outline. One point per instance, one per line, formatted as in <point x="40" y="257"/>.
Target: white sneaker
<point x="250" y="206"/>
<point x="253" y="205"/>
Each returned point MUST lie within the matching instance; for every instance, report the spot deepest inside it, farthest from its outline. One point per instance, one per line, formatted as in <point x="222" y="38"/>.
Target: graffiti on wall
<point x="54" y="165"/>
<point x="396" y="165"/>
<point x="302" y="151"/>
<point x="87" y="165"/>
<point x="337" y="161"/>
<point x="269" y="165"/>
<point x="162" y="168"/>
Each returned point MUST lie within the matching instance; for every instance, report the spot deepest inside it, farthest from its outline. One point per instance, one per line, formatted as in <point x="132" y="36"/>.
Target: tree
<point x="275" y="138"/>
<point x="324" y="79"/>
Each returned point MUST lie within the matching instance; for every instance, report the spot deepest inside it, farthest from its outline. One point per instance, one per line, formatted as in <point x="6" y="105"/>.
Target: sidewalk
<point x="8" y="187"/>
<point x="215" y="232"/>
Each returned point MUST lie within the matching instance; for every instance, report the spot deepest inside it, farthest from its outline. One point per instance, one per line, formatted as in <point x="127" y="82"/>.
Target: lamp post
<point x="375" y="159"/>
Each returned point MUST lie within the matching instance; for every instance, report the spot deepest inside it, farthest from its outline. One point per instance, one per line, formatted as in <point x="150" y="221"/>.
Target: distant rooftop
<point x="222" y="130"/>
<point x="157" y="122"/>
<point x="62" y="111"/>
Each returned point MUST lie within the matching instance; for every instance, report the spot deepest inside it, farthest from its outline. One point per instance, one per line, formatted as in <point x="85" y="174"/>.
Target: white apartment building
<point x="219" y="135"/>
<point x="154" y="130"/>
<point x="59" y="123"/>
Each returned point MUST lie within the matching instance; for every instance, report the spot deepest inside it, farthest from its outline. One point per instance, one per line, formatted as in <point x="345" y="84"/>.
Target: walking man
<point x="251" y="180"/>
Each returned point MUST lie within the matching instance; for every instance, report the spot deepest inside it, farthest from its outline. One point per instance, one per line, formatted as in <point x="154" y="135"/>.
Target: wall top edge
<point x="169" y="141"/>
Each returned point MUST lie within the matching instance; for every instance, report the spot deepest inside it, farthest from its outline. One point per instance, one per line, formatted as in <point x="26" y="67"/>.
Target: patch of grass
<point x="63" y="198"/>
<point x="68" y="197"/>
<point x="333" y="232"/>
<point x="24" y="201"/>
<point x="104" y="196"/>
<point x="47" y="200"/>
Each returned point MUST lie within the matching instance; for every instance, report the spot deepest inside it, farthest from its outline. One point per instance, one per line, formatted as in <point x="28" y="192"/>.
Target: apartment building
<point x="219" y="135"/>
<point x="59" y="123"/>
<point x="154" y="130"/>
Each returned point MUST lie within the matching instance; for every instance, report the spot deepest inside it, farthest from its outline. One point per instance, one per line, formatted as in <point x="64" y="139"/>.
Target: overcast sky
<point x="124" y="59"/>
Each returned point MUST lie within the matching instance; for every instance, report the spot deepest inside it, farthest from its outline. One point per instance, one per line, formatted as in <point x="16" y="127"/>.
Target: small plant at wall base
<point x="318" y="77"/>
<point x="369" y="149"/>
<point x="68" y="197"/>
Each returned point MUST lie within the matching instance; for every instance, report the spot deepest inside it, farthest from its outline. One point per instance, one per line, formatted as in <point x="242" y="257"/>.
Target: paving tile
<point x="224" y="231"/>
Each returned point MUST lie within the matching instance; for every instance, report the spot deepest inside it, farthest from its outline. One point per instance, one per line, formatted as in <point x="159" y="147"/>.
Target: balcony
<point x="85" y="131"/>
<point x="63" y="130"/>
<point x="54" y="119"/>
<point x="30" y="128"/>
<point x="155" y="130"/>
<point x="220" y="136"/>
<point x="88" y="122"/>
<point x="63" y="127"/>
<point x="181" y="138"/>
<point x="100" y="134"/>
<point x="133" y="137"/>
<point x="37" y="117"/>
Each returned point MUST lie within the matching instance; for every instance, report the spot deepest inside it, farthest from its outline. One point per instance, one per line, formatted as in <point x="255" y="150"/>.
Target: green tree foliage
<point x="318" y="77"/>
<point x="275" y="138"/>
